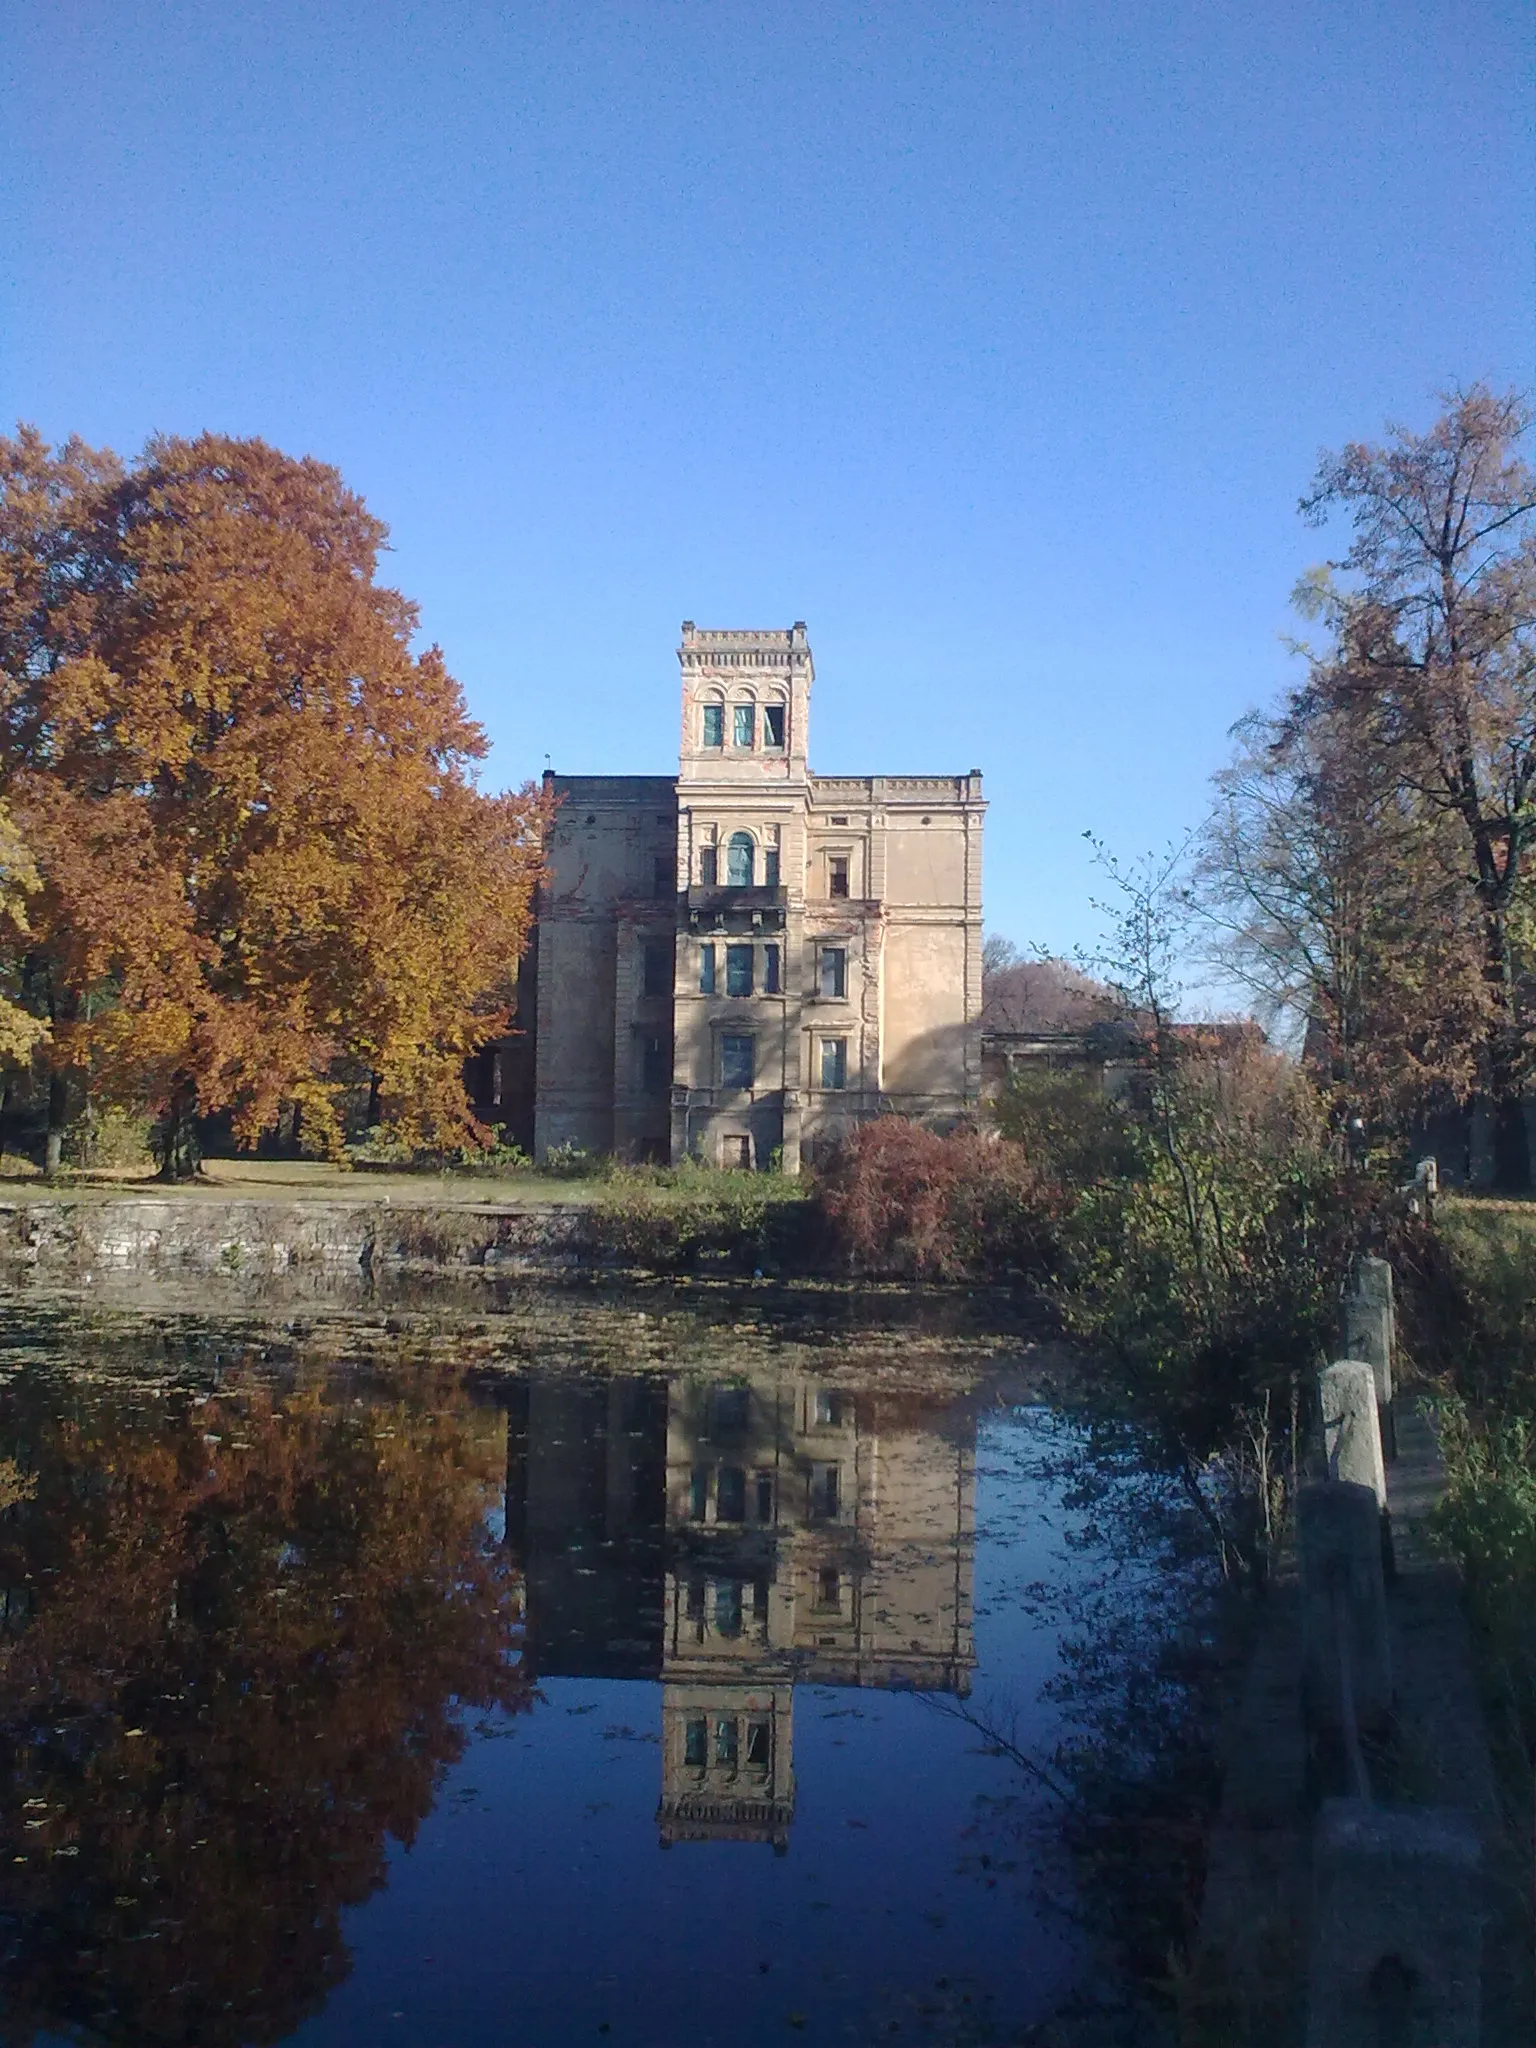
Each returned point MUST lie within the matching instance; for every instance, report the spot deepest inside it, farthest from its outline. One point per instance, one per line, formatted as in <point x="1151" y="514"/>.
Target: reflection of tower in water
<point x="734" y="1537"/>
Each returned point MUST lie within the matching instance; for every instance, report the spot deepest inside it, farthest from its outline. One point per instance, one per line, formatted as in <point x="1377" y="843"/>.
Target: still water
<point x="700" y="1691"/>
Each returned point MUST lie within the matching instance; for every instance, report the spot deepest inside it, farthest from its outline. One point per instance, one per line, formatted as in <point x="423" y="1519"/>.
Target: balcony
<point x="723" y="909"/>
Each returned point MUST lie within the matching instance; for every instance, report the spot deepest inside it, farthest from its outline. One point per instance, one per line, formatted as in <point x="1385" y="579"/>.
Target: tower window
<point x="834" y="1063"/>
<point x="837" y="874"/>
<point x="736" y="1061"/>
<point x="714" y="725"/>
<point x="770" y="970"/>
<point x="657" y="967"/>
<point x="759" y="1745"/>
<point x="725" y="1742"/>
<point x="738" y="970"/>
<point x="825" y="1492"/>
<point x="696" y="1744"/>
<point x="732" y="1410"/>
<point x="743" y="719"/>
<point x="738" y="861"/>
<point x="707" y="967"/>
<point x="728" y="1607"/>
<point x="834" y="971"/>
<point x="773" y="725"/>
<point x="655" y="1065"/>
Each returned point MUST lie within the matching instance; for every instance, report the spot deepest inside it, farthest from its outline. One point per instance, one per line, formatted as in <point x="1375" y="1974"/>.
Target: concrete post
<point x="1370" y="1330"/>
<point x="1346" y="1659"/>
<point x="1396" y="1928"/>
<point x="1352" y="1426"/>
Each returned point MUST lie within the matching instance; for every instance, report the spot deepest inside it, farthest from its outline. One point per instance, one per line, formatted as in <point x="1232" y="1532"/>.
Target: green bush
<point x="101" y="1139"/>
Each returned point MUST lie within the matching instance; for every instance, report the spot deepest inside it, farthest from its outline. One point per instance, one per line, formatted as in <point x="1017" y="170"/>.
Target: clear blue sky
<point x="995" y="341"/>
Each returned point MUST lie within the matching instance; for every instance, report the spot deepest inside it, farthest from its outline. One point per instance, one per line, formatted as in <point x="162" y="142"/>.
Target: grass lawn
<point x="285" y="1180"/>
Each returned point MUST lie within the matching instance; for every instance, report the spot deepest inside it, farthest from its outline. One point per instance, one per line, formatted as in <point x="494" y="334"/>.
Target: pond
<point x="596" y="1676"/>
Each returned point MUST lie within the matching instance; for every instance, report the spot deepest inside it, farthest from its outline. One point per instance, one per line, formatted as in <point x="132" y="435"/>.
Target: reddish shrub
<point x="905" y="1202"/>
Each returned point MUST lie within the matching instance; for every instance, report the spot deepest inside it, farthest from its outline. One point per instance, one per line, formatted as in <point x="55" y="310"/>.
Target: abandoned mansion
<point x="738" y="964"/>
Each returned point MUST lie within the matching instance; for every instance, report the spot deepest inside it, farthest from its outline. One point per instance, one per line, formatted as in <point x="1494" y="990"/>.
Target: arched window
<point x="738" y="861"/>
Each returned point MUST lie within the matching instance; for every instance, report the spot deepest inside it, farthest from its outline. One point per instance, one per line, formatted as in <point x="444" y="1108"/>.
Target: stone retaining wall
<point x="65" y="1239"/>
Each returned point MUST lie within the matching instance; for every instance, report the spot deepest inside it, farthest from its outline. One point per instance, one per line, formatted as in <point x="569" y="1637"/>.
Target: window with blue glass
<point x="834" y="970"/>
<point x="773" y="725"/>
<point x="771" y="867"/>
<point x="744" y="718"/>
<point x="736" y="1060"/>
<point x="707" y="968"/>
<point x="770" y="970"/>
<point x="834" y="1063"/>
<point x="696" y="1743"/>
<point x="738" y="970"/>
<point x="714" y="725"/>
<point x="738" y="861"/>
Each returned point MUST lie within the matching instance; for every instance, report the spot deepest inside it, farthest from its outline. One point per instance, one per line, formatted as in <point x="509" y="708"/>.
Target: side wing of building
<point x="606" y="939"/>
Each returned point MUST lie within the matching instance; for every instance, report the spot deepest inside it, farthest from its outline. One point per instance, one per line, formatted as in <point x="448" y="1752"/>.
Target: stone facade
<point x="742" y="963"/>
<point x="735" y="1538"/>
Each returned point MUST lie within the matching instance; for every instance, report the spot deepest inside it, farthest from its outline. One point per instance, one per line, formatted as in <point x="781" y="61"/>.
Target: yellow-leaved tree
<point x="266" y="870"/>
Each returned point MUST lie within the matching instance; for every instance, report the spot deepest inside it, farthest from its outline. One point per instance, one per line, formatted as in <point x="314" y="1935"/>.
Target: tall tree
<point x="1432" y="669"/>
<point x="1339" y="902"/>
<point x="265" y="864"/>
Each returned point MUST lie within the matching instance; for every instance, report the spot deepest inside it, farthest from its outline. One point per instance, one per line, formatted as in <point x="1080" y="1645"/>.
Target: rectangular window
<point x="771" y="867"/>
<point x="736" y="1061"/>
<point x="759" y="1749"/>
<point x="829" y="1589"/>
<point x="829" y="1409"/>
<point x="728" y="1607"/>
<point x="696" y="1743"/>
<point x="837" y="874"/>
<point x="714" y="725"/>
<point x="770" y="970"/>
<point x="834" y="1063"/>
<point x="655" y="1064"/>
<point x="709" y="866"/>
<point x="765" y="1496"/>
<point x="738" y="970"/>
<point x="736" y="1153"/>
<point x="663" y="875"/>
<point x="743" y="718"/>
<point x="824" y="1492"/>
<point x="656" y="967"/>
<point x="773" y="725"/>
<point x="732" y="1411"/>
<point x="725" y="1743"/>
<point x="834" y="970"/>
<point x="695" y="1592"/>
<point x="731" y="1499"/>
<point x="698" y="1494"/>
<point x="707" y="967"/>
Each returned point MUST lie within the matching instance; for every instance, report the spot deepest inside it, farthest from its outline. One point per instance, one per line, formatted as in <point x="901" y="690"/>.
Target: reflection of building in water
<point x="732" y="1538"/>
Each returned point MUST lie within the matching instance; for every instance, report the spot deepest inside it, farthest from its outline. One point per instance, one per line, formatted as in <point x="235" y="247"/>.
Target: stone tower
<point x="743" y="963"/>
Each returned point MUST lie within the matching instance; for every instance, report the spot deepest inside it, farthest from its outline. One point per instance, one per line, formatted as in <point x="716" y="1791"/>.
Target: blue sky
<point x="997" y="342"/>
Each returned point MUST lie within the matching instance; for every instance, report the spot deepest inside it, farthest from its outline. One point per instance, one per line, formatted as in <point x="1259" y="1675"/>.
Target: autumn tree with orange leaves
<point x="267" y="873"/>
<point x="242" y="1641"/>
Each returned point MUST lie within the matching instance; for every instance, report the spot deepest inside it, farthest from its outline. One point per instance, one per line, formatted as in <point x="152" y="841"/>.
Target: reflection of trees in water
<point x="1116" y="1810"/>
<point x="240" y="1633"/>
